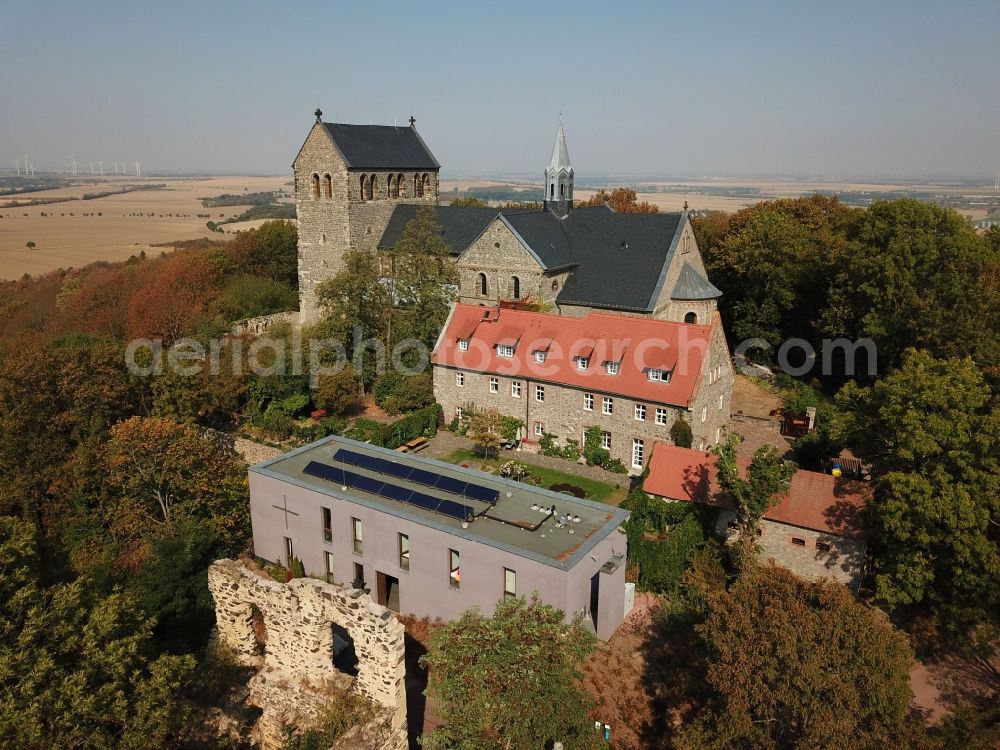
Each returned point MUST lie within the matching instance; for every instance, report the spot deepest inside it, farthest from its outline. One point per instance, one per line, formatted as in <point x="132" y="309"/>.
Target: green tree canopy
<point x="75" y="669"/>
<point x="509" y="681"/>
<point x="793" y="664"/>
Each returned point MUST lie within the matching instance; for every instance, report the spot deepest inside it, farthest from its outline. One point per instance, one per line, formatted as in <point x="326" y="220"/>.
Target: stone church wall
<point x="295" y="669"/>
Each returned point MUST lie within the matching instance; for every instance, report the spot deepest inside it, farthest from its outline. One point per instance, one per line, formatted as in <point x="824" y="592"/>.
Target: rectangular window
<point x="463" y="345"/>
<point x="798" y="542"/>
<point x="509" y="583"/>
<point x="539" y="428"/>
<point x="588" y="401"/>
<point x="540" y="357"/>
<point x="539" y="393"/>
<point x="505" y="350"/>
<point x="704" y="413"/>
<point x="327" y="525"/>
<point x="460" y="379"/>
<point x="720" y="402"/>
<point x="606" y="440"/>
<point x="640" y="412"/>
<point x="655" y="374"/>
<point x="404" y="552"/>
<point x="823" y="546"/>
<point x="611" y="368"/>
<point x="494" y="385"/>
<point x="359" y="576"/>
<point x="289" y="553"/>
<point x="458" y="412"/>
<point x="328" y="558"/>
<point x="638" y="451"/>
<point x="582" y="362"/>
<point x="359" y="541"/>
<point x="515" y="389"/>
<point x="661" y="416"/>
<point x="609" y="405"/>
<point x="454" y="573"/>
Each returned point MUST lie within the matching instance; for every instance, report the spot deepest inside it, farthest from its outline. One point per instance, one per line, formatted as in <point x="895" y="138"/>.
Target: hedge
<point x="662" y="563"/>
<point x="392" y="435"/>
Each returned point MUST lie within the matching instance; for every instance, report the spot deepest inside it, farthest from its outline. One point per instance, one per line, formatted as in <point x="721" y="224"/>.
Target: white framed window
<point x="454" y="571"/>
<point x="611" y="368"/>
<point x="539" y="428"/>
<point x="720" y="402"/>
<point x="609" y="405"/>
<point x="588" y="401"/>
<point x="509" y="584"/>
<point x="718" y="434"/>
<point x="494" y="385"/>
<point x="638" y="452"/>
<point x="328" y="561"/>
<point x="657" y="375"/>
<point x="661" y="416"/>
<point x="704" y="413"/>
<point x="606" y="440"/>
<point x="582" y="363"/>
<point x="539" y="393"/>
<point x="460" y="379"/>
<point x="515" y="388"/>
<point x="458" y="412"/>
<point x="640" y="412"/>
<point x="539" y="357"/>
<point x="505" y="350"/>
<point x="463" y="345"/>
<point x="404" y="551"/>
<point x="359" y="539"/>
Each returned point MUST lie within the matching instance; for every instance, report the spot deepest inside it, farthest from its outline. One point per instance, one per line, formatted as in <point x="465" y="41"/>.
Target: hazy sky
<point x="848" y="88"/>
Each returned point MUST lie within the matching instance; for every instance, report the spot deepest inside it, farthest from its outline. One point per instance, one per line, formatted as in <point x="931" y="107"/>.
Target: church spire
<point x="559" y="176"/>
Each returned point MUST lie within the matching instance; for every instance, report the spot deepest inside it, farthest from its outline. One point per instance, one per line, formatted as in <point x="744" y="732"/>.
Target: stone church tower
<point x="348" y="180"/>
<point x="559" y="177"/>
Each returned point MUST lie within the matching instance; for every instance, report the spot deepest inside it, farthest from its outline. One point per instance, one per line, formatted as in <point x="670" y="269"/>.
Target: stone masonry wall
<point x="841" y="560"/>
<point x="296" y="670"/>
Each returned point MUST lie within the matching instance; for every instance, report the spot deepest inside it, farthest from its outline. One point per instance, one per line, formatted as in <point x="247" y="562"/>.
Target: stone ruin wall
<point x="296" y="670"/>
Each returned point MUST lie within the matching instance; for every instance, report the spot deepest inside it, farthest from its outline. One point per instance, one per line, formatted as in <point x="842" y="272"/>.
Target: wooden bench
<point x="418" y="443"/>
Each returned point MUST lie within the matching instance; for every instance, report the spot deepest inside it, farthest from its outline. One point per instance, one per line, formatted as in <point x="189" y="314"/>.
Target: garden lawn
<point x="599" y="491"/>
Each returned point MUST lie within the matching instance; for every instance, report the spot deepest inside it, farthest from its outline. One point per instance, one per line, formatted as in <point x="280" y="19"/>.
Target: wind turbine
<point x="996" y="186"/>
<point x="91" y="167"/>
<point x="138" y="170"/>
<point x="17" y="165"/>
<point x="100" y="165"/>
<point x="72" y="159"/>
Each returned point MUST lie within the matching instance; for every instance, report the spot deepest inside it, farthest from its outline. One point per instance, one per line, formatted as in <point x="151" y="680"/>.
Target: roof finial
<point x="319" y="114"/>
<point x="413" y="121"/>
<point x="685" y="206"/>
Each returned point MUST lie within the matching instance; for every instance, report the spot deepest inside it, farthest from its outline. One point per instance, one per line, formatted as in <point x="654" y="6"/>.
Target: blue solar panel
<point x="455" y="510"/>
<point x="329" y="473"/>
<point x="425" y="501"/>
<point x="424" y="477"/>
<point x="400" y="471"/>
<point x="449" y="484"/>
<point x="395" y="492"/>
<point x="345" y="456"/>
<point x="481" y="493"/>
<point x="367" y="484"/>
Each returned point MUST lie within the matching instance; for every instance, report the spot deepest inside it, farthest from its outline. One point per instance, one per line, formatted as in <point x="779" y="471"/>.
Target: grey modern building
<point x="432" y="539"/>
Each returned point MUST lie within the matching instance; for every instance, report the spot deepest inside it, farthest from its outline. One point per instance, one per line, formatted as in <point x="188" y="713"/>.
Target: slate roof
<point x="692" y="285"/>
<point x="381" y="146"/>
<point x="461" y="224"/>
<point x="618" y="259"/>
<point x="637" y="343"/>
<point x="820" y="502"/>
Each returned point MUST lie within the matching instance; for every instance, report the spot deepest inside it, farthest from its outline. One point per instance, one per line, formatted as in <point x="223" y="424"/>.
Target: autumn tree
<point x="487" y="429"/>
<point x="339" y="393"/>
<point x="470" y="202"/>
<point x="270" y="251"/>
<point x="794" y="664"/>
<point x="75" y="668"/>
<point x="172" y="296"/>
<point x="509" y="681"/>
<point x="623" y="200"/>
<point x="931" y="431"/>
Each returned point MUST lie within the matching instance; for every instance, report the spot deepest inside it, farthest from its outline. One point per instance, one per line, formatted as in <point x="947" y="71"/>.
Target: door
<point x="595" y="591"/>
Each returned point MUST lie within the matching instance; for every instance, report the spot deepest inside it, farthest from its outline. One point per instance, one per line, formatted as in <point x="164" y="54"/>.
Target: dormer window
<point x="539" y="357"/>
<point x="463" y="345"/>
<point x="582" y="362"/>
<point x="660" y="376"/>
<point x="611" y="368"/>
<point x="505" y="350"/>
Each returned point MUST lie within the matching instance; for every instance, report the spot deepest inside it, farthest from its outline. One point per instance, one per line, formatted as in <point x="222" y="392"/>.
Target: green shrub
<point x="680" y="433"/>
<point x="662" y="563"/>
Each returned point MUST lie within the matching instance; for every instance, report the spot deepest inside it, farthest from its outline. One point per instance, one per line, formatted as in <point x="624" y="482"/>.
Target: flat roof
<point x="511" y="524"/>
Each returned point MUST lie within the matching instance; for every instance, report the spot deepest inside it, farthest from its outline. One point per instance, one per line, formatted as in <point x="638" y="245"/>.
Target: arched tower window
<point x="400" y="186"/>
<point x="552" y="190"/>
<point x="392" y="187"/>
<point x="425" y="185"/>
<point x="373" y="185"/>
<point x="365" y="188"/>
<point x="418" y="188"/>
<point x="691" y="317"/>
<point x="515" y="284"/>
<point x="328" y="185"/>
<point x="315" y="185"/>
<point x="483" y="287"/>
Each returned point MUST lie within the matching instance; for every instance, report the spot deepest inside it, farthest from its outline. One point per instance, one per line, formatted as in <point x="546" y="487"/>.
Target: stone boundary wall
<point x="296" y="669"/>
<point x="260" y="325"/>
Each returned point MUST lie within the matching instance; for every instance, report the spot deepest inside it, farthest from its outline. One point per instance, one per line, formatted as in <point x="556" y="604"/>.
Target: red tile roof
<point x="820" y="502"/>
<point x="638" y="343"/>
